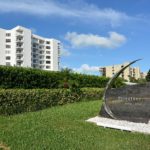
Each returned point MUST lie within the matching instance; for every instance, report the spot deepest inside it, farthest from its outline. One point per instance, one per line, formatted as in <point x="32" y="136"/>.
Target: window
<point x="19" y="63"/>
<point x="8" y="46"/>
<point x="41" y="52"/>
<point x="34" y="56"/>
<point x="7" y="63"/>
<point x="48" y="67"/>
<point x="8" y="34"/>
<point x="7" y="52"/>
<point x="7" y="57"/>
<point x="48" y="47"/>
<point x="47" y="42"/>
<point x="48" y="57"/>
<point x="41" y="41"/>
<point x="59" y="52"/>
<point x="48" y="52"/>
<point x="41" y="67"/>
<point x="8" y="40"/>
<point x="48" y="62"/>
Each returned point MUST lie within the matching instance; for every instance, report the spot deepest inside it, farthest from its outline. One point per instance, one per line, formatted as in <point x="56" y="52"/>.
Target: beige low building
<point x="130" y="72"/>
<point x="143" y="75"/>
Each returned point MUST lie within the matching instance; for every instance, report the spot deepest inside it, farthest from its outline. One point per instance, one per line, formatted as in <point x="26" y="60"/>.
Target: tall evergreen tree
<point x="148" y="76"/>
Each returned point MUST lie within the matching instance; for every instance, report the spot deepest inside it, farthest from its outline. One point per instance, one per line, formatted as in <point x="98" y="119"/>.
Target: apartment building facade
<point x="19" y="47"/>
<point x="130" y="72"/>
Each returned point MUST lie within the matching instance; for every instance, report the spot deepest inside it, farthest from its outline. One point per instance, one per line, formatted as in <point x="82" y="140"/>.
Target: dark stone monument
<point x="131" y="102"/>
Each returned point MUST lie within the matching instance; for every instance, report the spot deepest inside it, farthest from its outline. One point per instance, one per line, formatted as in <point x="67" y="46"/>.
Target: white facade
<point x="19" y="47"/>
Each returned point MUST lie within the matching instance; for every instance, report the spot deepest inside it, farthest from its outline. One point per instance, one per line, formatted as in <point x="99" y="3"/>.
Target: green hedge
<point x="92" y="93"/>
<point x="27" y="78"/>
<point x="13" y="101"/>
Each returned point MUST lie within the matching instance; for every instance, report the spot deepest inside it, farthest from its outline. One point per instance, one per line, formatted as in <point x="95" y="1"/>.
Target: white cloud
<point x="81" y="40"/>
<point x="65" y="52"/>
<point x="85" y="68"/>
<point x="84" y="12"/>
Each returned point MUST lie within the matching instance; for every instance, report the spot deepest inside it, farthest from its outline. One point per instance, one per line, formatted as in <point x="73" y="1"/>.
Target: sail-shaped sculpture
<point x="130" y="102"/>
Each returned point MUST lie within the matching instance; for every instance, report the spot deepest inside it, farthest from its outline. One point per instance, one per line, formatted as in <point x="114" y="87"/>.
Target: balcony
<point x="35" y="61"/>
<point x="35" y="66"/>
<point x="19" y="54"/>
<point x="19" y="40"/>
<point x="41" y="52"/>
<point x="35" y="51"/>
<point x="41" y="62"/>
<point x="41" y="66"/>
<point x="19" y="46"/>
<point x="41" y="47"/>
<point x="35" y="41"/>
<point x="19" y="51"/>
<point x="41" y="57"/>
<point x="19" y="32"/>
<point x="19" y="64"/>
<point x="35" y="58"/>
<point x="35" y="45"/>
<point x="19" y="35"/>
<point x="19" y="58"/>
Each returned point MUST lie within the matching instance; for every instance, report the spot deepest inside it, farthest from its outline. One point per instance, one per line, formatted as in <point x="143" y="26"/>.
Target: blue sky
<point x="93" y="32"/>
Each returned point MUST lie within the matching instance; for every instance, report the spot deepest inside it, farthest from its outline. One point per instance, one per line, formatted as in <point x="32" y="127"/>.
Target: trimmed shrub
<point x="28" y="78"/>
<point x="14" y="101"/>
<point x="92" y="93"/>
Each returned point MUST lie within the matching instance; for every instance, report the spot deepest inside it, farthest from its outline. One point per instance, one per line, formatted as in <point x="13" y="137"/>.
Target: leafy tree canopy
<point x="148" y="76"/>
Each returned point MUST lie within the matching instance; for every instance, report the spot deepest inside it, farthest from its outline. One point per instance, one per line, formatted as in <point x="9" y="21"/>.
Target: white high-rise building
<point x="19" y="47"/>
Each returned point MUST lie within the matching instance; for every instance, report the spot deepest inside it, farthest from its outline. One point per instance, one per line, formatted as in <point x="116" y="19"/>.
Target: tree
<point x="148" y="76"/>
<point x="66" y="73"/>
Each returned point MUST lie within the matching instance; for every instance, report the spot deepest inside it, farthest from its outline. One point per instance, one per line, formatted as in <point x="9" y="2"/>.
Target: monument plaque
<point x="131" y="102"/>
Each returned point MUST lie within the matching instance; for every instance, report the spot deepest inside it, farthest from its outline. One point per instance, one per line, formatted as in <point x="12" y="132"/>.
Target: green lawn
<point x="64" y="128"/>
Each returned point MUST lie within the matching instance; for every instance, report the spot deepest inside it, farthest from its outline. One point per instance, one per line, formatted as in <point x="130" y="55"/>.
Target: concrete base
<point x="121" y="124"/>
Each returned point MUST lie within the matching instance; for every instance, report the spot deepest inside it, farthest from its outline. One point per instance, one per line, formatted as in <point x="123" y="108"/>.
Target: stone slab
<point x="121" y="124"/>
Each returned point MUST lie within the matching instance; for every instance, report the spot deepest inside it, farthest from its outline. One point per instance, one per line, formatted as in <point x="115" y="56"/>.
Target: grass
<point x="64" y="128"/>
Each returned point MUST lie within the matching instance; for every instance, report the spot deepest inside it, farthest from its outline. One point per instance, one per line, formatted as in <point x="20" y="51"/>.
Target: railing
<point x="19" y="46"/>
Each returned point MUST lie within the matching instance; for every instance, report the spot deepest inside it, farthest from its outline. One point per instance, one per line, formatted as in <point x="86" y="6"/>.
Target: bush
<point x="27" y="78"/>
<point x="92" y="93"/>
<point x="14" y="101"/>
<point x="119" y="82"/>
